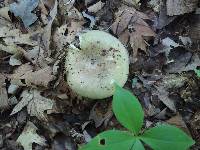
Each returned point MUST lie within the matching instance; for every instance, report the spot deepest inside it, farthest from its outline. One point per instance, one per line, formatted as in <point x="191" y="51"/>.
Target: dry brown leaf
<point x="66" y="33"/>
<point x="13" y="36"/>
<point x="169" y="82"/>
<point x="29" y="136"/>
<point x="13" y="39"/>
<point x="12" y="49"/>
<point x="20" y="71"/>
<point x="29" y="77"/>
<point x="60" y="37"/>
<point x="178" y="122"/>
<point x="4" y="13"/>
<point x="131" y="28"/>
<point x="179" y="7"/>
<point x="3" y="94"/>
<point x="68" y="11"/>
<point x="40" y="78"/>
<point x="42" y="7"/>
<point x="182" y="61"/>
<point x="36" y="104"/>
<point x="163" y="95"/>
<point x="96" y="7"/>
<point x="46" y="37"/>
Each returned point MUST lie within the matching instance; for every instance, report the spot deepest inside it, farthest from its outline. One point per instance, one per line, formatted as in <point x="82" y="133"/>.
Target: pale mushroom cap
<point x="92" y="69"/>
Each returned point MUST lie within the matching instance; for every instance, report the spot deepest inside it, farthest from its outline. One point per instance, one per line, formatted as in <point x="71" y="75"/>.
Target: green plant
<point x="197" y="72"/>
<point x="129" y="113"/>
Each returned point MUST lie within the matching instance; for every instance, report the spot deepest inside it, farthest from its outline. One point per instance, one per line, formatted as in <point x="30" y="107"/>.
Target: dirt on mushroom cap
<point x="92" y="69"/>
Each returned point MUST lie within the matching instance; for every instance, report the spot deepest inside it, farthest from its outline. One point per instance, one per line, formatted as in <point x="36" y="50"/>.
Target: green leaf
<point x="111" y="140"/>
<point x="197" y="72"/>
<point x="127" y="110"/>
<point x="138" y="145"/>
<point x="166" y="137"/>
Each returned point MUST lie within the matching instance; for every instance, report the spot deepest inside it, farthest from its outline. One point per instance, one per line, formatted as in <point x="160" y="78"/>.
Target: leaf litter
<point x="38" y="109"/>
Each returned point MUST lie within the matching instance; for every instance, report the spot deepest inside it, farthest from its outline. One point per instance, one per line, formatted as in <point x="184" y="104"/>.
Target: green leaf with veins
<point x="167" y="137"/>
<point x="111" y="140"/>
<point x="127" y="109"/>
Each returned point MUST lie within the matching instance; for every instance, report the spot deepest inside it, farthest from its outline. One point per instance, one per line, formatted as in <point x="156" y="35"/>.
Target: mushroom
<point x="100" y="61"/>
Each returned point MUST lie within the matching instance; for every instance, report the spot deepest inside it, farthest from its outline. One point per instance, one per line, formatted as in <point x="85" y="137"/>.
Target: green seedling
<point x="197" y="72"/>
<point x="129" y="113"/>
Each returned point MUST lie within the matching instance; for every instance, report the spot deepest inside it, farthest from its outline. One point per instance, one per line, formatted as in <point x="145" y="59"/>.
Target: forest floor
<point x="37" y="105"/>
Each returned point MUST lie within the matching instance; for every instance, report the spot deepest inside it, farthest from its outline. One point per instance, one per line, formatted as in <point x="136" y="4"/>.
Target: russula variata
<point x="92" y="68"/>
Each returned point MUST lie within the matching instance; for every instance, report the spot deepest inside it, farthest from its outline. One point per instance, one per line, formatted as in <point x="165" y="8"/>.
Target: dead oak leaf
<point x="41" y="77"/>
<point x="36" y="104"/>
<point x="29" y="136"/>
<point x="130" y="27"/>
<point x="28" y="77"/>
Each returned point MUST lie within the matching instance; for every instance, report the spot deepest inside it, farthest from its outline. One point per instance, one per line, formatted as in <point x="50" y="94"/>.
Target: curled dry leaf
<point x="36" y="104"/>
<point x="27" y="77"/>
<point x="131" y="28"/>
<point x="29" y="136"/>
<point x="3" y="94"/>
<point x="179" y="7"/>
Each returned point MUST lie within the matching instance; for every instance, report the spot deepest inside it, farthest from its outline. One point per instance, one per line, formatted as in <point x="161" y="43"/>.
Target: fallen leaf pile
<point x="36" y="104"/>
<point x="130" y="27"/>
<point x="38" y="110"/>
